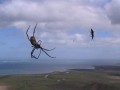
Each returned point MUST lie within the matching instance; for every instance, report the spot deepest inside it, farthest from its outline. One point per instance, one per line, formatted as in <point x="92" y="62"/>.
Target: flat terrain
<point x="3" y="87"/>
<point x="71" y="80"/>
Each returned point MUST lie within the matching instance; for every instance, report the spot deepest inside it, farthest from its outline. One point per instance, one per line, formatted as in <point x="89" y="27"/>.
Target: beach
<point x="4" y="87"/>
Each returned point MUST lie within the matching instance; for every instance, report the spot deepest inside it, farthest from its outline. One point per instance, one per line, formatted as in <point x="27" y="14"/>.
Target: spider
<point x="36" y="45"/>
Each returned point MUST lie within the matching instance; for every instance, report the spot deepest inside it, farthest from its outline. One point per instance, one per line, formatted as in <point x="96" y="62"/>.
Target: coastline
<point x="67" y="80"/>
<point x="37" y="68"/>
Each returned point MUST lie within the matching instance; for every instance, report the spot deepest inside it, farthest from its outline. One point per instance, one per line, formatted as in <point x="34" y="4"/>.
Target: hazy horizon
<point x="64" y="24"/>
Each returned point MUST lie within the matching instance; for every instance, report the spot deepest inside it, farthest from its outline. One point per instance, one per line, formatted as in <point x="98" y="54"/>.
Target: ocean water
<point x="11" y="68"/>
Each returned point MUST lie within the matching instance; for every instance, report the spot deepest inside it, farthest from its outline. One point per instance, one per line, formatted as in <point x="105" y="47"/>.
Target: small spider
<point x="36" y="45"/>
<point x="92" y="33"/>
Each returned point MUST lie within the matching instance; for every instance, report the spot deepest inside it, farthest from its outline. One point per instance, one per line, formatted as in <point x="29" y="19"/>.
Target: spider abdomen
<point x="33" y="40"/>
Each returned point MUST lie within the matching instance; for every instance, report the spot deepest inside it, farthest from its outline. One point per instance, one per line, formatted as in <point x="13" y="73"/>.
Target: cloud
<point x="62" y="38"/>
<point x="113" y="11"/>
<point x="107" y="42"/>
<point x="56" y="18"/>
<point x="55" y="13"/>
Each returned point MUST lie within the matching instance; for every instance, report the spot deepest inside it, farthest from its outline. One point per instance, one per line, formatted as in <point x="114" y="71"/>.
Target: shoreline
<point x="93" y="68"/>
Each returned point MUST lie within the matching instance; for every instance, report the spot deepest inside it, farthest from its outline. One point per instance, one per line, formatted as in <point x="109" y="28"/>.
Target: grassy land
<point x="74" y="80"/>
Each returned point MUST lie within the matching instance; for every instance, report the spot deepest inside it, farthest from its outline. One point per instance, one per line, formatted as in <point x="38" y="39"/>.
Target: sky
<point x="64" y="24"/>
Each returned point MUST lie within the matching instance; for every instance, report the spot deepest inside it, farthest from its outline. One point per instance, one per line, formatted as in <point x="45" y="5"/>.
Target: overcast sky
<point x="64" y="24"/>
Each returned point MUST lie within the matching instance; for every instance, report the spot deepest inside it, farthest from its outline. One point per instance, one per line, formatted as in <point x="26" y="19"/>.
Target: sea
<point x="13" y="68"/>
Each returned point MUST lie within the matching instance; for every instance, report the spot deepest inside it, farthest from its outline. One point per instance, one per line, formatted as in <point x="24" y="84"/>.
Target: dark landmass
<point x="81" y="69"/>
<point x="100" y="78"/>
<point x="108" y="67"/>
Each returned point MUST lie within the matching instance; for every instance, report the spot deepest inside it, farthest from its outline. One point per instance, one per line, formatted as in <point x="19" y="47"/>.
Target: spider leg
<point x="27" y="32"/>
<point x="35" y="57"/>
<point x="32" y="56"/>
<point x="34" y="29"/>
<point x="39" y="41"/>
<point x="47" y="53"/>
<point x="32" y="52"/>
<point x="48" y="49"/>
<point x="45" y="48"/>
<point x="39" y="54"/>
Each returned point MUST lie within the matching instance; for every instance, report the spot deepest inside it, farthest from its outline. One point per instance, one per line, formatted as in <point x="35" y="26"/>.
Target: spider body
<point x="36" y="45"/>
<point x="33" y="40"/>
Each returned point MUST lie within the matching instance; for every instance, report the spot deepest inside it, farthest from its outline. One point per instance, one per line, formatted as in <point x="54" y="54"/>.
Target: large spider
<point x="36" y="45"/>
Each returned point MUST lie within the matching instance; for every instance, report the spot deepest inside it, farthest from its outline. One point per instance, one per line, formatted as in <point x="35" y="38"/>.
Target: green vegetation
<point x="74" y="80"/>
